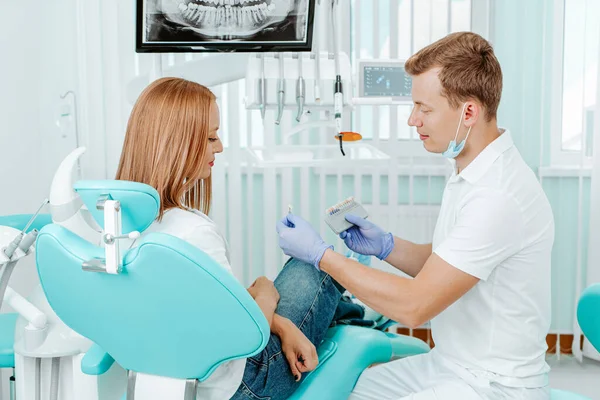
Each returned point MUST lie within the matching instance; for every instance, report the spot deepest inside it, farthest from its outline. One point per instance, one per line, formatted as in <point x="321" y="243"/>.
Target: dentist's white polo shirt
<point x="496" y="224"/>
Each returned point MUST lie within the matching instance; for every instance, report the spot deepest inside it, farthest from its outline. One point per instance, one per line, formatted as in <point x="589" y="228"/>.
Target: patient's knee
<point x="298" y="275"/>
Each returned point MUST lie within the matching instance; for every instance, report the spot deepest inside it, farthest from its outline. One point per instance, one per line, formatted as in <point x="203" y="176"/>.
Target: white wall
<point x="38" y="63"/>
<point x="58" y="74"/>
<point x="19" y="108"/>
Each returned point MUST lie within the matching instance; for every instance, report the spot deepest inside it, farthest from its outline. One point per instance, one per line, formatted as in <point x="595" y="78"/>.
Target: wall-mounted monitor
<point x="384" y="78"/>
<point x="181" y="26"/>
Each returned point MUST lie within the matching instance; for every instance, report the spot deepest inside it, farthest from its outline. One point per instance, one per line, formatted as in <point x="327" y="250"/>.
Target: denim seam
<point x="312" y="306"/>
<point x="274" y="355"/>
<point x="258" y="363"/>
<point x="252" y="394"/>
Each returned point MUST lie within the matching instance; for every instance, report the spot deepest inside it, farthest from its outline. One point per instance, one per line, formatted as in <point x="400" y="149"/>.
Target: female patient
<point x="170" y="144"/>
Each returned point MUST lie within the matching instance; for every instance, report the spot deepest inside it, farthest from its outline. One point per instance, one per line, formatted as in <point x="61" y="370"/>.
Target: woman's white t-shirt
<point x="200" y="231"/>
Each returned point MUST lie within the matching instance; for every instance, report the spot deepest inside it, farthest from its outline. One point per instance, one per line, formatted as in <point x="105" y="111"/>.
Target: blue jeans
<point x="309" y="299"/>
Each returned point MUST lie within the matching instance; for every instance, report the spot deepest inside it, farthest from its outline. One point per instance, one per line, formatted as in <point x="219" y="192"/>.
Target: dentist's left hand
<point x="299" y="240"/>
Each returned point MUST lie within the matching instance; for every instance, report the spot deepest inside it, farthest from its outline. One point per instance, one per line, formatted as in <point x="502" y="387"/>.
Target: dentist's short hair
<point x="469" y="69"/>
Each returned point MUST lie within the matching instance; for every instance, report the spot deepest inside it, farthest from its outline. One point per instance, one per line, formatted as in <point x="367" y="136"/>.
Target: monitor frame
<point x="221" y="46"/>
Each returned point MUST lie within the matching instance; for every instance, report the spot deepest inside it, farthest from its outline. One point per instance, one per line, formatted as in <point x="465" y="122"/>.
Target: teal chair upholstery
<point x="588" y="314"/>
<point x="159" y="315"/>
<point x="346" y="352"/>
<point x="140" y="202"/>
<point x="588" y="317"/>
<point x="19" y="221"/>
<point x="7" y="339"/>
<point x="174" y="312"/>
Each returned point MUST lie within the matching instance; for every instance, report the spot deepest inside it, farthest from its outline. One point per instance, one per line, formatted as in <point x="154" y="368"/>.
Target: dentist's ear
<point x="473" y="111"/>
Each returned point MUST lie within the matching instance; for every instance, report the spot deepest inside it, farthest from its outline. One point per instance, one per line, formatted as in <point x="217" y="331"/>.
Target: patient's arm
<point x="300" y="353"/>
<point x="267" y="306"/>
<point x="265" y="294"/>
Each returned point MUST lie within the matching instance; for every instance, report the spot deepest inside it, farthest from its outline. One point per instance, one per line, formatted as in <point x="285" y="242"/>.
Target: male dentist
<point x="484" y="282"/>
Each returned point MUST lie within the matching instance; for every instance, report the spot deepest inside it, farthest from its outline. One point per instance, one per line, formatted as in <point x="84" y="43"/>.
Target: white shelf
<point x="316" y="156"/>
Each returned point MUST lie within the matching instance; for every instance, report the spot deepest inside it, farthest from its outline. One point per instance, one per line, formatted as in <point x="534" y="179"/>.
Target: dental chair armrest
<point x="96" y="361"/>
<point x="406" y="346"/>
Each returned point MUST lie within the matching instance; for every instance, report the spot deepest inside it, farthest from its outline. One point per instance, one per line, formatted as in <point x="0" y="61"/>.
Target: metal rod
<point x="46" y="201"/>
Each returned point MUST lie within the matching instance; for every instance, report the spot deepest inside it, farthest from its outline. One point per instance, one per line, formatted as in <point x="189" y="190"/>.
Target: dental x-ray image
<point x="224" y="25"/>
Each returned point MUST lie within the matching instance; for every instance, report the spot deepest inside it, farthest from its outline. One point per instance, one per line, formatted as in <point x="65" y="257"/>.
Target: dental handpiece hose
<point x="280" y="90"/>
<point x="12" y="246"/>
<point x="9" y="250"/>
<point x="25" y="245"/>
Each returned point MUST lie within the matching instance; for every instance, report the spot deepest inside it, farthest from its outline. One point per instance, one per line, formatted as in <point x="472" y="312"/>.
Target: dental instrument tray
<point x="335" y="216"/>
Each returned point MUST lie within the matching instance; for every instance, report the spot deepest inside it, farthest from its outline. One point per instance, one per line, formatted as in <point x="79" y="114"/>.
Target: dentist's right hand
<point x="367" y="238"/>
<point x="299" y="240"/>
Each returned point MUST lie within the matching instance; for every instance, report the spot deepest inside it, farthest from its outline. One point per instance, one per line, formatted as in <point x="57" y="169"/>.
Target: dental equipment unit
<point x="280" y="89"/>
<point x="300" y="89"/>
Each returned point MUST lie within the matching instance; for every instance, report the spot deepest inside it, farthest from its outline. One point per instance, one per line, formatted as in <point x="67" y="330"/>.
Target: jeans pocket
<point x="250" y="394"/>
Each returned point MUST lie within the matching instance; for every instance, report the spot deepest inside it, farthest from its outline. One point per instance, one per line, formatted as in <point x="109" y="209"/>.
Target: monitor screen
<point x="385" y="80"/>
<point x="172" y="26"/>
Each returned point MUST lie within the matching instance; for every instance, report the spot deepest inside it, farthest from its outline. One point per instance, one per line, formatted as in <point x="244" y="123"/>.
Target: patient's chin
<point x="205" y="174"/>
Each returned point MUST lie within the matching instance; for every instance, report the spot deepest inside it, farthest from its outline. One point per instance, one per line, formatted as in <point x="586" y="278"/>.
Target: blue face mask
<point x="454" y="149"/>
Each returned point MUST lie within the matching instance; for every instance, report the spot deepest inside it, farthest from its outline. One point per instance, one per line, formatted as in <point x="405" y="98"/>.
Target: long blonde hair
<point x="165" y="142"/>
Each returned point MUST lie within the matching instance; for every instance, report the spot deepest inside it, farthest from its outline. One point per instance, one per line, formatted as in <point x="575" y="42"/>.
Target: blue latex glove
<point x="367" y="238"/>
<point x="299" y="240"/>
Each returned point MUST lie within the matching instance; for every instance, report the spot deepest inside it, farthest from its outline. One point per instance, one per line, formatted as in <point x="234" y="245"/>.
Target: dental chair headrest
<point x="140" y="203"/>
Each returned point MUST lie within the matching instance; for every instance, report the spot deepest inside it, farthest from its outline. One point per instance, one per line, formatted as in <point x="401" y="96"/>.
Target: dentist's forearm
<point x="386" y="293"/>
<point x="409" y="257"/>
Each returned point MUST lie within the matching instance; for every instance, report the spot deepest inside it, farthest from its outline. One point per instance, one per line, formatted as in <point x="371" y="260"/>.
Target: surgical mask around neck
<point x="454" y="149"/>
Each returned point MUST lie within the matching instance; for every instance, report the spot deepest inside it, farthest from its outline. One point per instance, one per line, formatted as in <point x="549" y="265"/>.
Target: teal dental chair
<point x="348" y="349"/>
<point x="589" y="321"/>
<point x="168" y="310"/>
